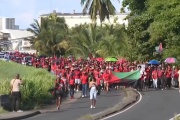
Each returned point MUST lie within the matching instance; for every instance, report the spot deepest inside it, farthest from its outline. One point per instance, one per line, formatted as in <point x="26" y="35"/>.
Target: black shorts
<point x="58" y="94"/>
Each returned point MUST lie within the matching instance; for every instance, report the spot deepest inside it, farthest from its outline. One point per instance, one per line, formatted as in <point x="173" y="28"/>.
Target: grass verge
<point x="86" y="117"/>
<point x="2" y="110"/>
<point x="37" y="82"/>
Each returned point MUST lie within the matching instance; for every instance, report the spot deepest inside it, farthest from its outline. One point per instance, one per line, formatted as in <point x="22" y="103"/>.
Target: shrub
<point x="37" y="82"/>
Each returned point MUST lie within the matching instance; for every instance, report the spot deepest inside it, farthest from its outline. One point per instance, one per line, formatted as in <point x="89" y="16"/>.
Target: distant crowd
<point x="81" y="74"/>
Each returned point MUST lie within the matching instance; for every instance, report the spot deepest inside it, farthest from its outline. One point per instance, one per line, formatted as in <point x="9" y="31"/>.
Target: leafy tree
<point x="113" y="42"/>
<point x="135" y="6"/>
<point x="152" y="23"/>
<point x="85" y="40"/>
<point x="36" y="28"/>
<point x="103" y="8"/>
<point x="50" y="35"/>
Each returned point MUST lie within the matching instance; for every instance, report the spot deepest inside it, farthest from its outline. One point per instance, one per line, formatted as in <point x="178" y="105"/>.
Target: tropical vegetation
<point x="102" y="8"/>
<point x="150" y="23"/>
<point x="37" y="82"/>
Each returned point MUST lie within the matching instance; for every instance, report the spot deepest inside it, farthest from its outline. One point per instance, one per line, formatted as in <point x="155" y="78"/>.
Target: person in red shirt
<point x="84" y="79"/>
<point x="77" y="75"/>
<point x="71" y="86"/>
<point x="155" y="77"/>
<point x="168" y="75"/>
<point x="161" y="81"/>
<point x="98" y="83"/>
<point x="106" y="78"/>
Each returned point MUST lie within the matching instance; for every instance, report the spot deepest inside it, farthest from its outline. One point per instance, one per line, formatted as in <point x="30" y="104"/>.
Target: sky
<point x="25" y="11"/>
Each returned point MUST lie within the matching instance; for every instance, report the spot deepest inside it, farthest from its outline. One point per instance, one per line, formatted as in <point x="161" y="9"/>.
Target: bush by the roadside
<point x="37" y="82"/>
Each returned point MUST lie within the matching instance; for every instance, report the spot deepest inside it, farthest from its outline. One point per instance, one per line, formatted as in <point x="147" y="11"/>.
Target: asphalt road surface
<point x="155" y="105"/>
<point x="81" y="107"/>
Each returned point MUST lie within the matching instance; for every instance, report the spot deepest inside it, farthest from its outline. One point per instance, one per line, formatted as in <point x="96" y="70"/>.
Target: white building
<point x="75" y="19"/>
<point x="16" y="40"/>
<point x="8" y="23"/>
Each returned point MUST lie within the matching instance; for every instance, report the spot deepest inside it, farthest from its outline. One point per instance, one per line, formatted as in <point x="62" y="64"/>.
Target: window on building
<point x="25" y="43"/>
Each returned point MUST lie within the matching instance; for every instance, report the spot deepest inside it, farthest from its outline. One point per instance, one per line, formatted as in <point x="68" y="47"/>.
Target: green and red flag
<point x="159" y="48"/>
<point x="117" y="77"/>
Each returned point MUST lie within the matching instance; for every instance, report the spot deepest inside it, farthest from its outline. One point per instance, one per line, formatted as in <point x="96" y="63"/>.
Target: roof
<point x="75" y="14"/>
<point x="18" y="34"/>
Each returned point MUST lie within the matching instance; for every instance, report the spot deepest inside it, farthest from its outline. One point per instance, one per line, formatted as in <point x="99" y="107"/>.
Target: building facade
<point x="16" y="40"/>
<point x="74" y="19"/>
<point x="8" y="23"/>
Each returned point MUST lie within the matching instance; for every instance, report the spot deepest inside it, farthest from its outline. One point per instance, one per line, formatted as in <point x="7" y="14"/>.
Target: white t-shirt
<point x="16" y="85"/>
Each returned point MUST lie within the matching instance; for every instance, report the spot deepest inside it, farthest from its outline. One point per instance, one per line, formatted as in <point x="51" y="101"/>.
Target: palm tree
<point x="85" y="40"/>
<point x="103" y="8"/>
<point x="37" y="27"/>
<point x="49" y="35"/>
<point x="114" y="41"/>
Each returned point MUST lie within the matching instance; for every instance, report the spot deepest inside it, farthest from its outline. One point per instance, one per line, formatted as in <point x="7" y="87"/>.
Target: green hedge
<point x="37" y="82"/>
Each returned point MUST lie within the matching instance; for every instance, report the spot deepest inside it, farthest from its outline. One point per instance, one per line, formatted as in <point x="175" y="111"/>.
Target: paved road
<point x="155" y="105"/>
<point x="73" y="111"/>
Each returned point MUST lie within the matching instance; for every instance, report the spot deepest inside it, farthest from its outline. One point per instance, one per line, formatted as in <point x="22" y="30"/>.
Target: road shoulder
<point x="27" y="114"/>
<point x="131" y="97"/>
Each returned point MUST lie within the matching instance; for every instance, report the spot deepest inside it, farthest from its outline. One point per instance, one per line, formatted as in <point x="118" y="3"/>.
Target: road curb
<point x="27" y="114"/>
<point x="23" y="116"/>
<point x="131" y="97"/>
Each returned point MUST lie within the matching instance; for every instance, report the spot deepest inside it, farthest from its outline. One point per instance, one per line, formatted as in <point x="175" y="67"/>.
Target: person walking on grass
<point x="16" y="94"/>
<point x="59" y="86"/>
<point x="93" y="92"/>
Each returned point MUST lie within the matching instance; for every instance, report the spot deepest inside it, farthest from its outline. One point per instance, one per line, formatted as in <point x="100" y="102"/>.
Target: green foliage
<point x="136" y="6"/>
<point x="2" y="110"/>
<point x="152" y="22"/>
<point x="37" y="82"/>
<point x="103" y="8"/>
<point x="85" y="39"/>
<point x="100" y="41"/>
<point x="49" y="35"/>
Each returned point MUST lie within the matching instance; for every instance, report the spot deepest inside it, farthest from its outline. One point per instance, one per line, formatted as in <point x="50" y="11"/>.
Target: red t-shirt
<point x="62" y="71"/>
<point x="84" y="79"/>
<point x="58" y="71"/>
<point x="98" y="80"/>
<point x="96" y="72"/>
<point x="147" y="73"/>
<point x="168" y="74"/>
<point x="71" y="81"/>
<point x="120" y="69"/>
<point x="106" y="76"/>
<point x="176" y="75"/>
<point x="154" y="75"/>
<point x="77" y="74"/>
<point x="160" y="73"/>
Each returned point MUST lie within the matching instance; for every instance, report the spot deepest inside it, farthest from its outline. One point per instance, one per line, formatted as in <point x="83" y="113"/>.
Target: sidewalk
<point x="46" y="109"/>
<point x="81" y="107"/>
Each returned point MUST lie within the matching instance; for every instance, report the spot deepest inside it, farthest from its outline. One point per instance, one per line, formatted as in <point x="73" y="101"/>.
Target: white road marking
<point x="124" y="109"/>
<point x="177" y="114"/>
<point x="174" y="117"/>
